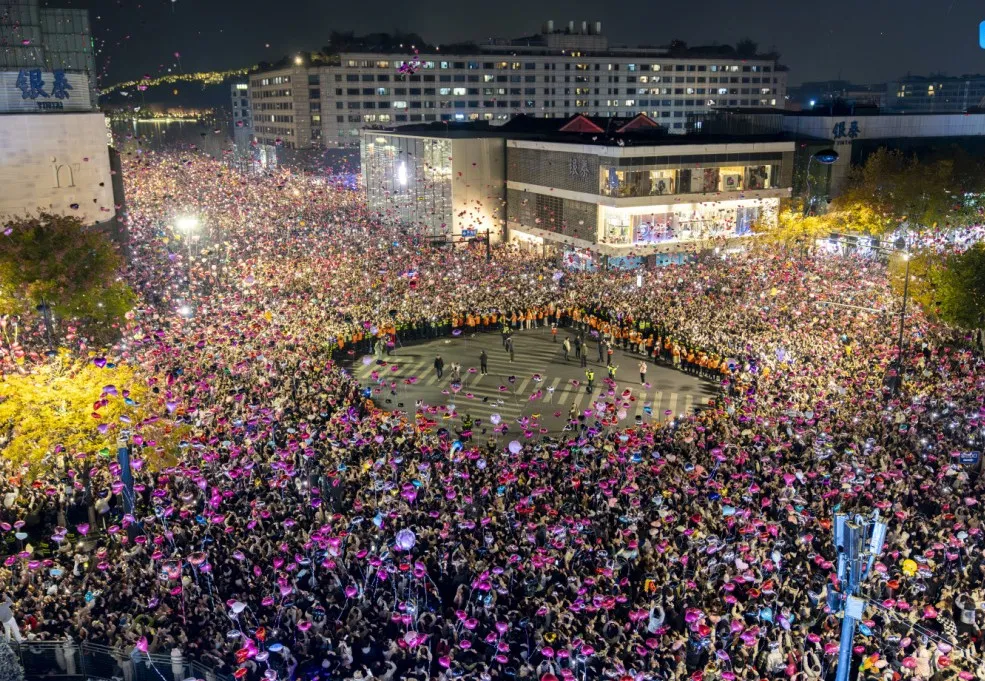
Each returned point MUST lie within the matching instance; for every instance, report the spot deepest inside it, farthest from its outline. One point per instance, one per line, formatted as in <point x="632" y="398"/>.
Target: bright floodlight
<point x="188" y="223"/>
<point x="185" y="311"/>
<point x="298" y="60"/>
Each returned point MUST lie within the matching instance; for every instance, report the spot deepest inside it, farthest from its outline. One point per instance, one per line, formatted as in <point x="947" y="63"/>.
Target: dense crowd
<point x="298" y="531"/>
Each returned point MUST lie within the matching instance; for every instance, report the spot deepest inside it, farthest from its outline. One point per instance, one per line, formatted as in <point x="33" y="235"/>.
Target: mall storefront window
<point x="617" y="182"/>
<point x="684" y="222"/>
<point x="630" y="183"/>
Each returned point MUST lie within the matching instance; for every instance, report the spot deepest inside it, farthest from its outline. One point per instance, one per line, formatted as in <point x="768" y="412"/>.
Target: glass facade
<point x="617" y="182"/>
<point x="409" y="179"/>
<point x="684" y="222"/>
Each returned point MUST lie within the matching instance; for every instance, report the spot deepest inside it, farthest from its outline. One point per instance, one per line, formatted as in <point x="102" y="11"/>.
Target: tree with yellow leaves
<point x="892" y="190"/>
<point x="794" y="229"/>
<point x="72" y="408"/>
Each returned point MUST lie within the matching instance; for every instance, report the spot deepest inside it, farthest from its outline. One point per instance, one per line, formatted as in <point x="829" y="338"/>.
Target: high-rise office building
<point x="323" y="100"/>
<point x="242" y="117"/>
<point x="935" y="94"/>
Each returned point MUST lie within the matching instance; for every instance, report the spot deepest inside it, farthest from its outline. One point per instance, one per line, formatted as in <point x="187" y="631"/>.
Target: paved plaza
<point x="534" y="392"/>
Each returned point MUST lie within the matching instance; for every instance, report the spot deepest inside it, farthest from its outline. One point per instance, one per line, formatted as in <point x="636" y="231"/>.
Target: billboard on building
<point x="35" y="90"/>
<point x="55" y="163"/>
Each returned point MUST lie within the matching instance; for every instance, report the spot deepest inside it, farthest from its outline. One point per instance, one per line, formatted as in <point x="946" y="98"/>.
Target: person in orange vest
<point x="554" y="332"/>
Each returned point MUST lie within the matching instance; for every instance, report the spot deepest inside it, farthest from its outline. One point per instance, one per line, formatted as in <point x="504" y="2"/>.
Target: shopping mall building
<point x="598" y="191"/>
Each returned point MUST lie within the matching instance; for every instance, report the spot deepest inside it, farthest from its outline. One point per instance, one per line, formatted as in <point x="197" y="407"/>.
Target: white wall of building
<point x="887" y="126"/>
<point x="478" y="186"/>
<point x="55" y="163"/>
<point x="329" y="104"/>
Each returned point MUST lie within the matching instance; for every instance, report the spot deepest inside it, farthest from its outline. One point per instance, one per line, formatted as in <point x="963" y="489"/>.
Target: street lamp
<point x="824" y="157"/>
<point x="899" y="343"/>
<point x="186" y="223"/>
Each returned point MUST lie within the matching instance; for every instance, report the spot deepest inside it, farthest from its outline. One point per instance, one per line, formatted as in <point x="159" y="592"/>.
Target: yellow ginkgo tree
<point x="73" y="408"/>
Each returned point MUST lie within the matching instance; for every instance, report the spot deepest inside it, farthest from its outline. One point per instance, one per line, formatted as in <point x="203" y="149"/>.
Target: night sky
<point x="860" y="40"/>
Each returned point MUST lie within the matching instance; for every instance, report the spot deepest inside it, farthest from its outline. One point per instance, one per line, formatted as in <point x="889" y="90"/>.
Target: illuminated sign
<point x="36" y="90"/>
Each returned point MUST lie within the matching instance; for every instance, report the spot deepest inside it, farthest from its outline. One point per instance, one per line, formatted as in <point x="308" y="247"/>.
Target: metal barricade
<point x="66" y="660"/>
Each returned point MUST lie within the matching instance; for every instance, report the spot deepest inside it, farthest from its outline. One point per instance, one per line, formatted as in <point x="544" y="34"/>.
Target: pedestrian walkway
<point x="538" y="386"/>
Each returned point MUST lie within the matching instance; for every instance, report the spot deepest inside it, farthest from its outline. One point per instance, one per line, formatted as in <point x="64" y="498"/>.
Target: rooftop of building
<point x="938" y="78"/>
<point x="636" y="131"/>
<point x="411" y="44"/>
<point x="842" y="109"/>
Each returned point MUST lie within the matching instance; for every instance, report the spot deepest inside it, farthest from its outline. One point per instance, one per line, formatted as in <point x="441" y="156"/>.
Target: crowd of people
<point x="296" y="530"/>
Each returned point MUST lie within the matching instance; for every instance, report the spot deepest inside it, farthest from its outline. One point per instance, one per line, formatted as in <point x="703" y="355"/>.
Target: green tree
<point x="949" y="288"/>
<point x="959" y="288"/>
<point x="57" y="260"/>
<point x="893" y="189"/>
<point x="746" y="48"/>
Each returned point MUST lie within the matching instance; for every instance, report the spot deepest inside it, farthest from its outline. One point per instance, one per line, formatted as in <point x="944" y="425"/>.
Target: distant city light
<point x="812" y="102"/>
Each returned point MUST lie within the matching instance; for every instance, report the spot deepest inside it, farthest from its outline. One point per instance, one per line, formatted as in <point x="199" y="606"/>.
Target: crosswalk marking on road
<point x="579" y="395"/>
<point x="655" y="404"/>
<point x="559" y="394"/>
<point x="481" y="387"/>
<point x="562" y="393"/>
<point x="551" y="390"/>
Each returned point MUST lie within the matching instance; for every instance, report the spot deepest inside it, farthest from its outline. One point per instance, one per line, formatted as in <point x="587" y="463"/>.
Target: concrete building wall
<point x="279" y="101"/>
<point x="554" y="168"/>
<point x="56" y="163"/>
<point x="478" y="186"/>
